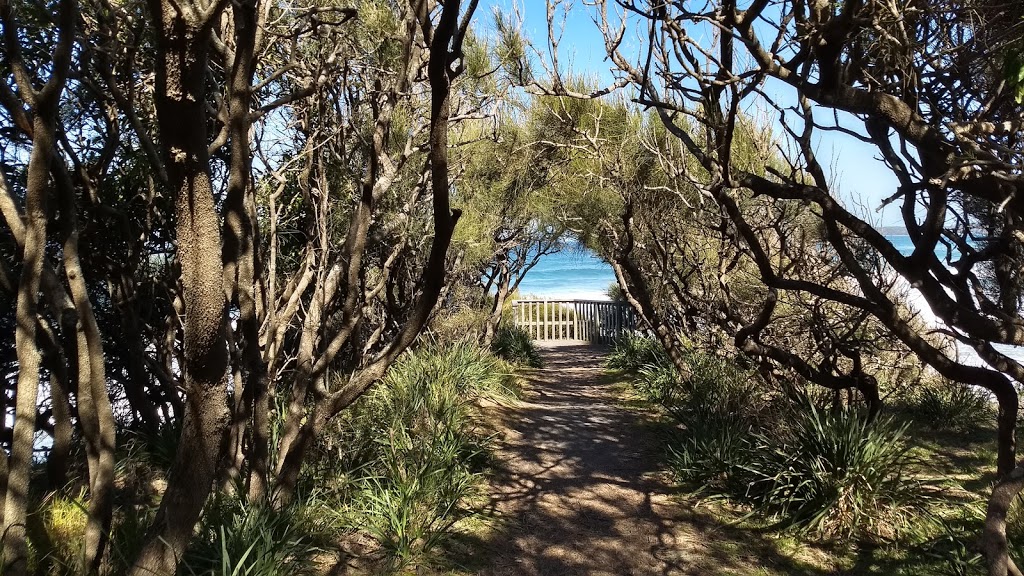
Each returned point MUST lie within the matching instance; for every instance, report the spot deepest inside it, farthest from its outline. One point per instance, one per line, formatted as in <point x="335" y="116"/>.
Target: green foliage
<point x="657" y="380"/>
<point x="632" y="351"/>
<point x="57" y="533"/>
<point x="614" y="293"/>
<point x="515" y="345"/>
<point x="405" y="462"/>
<point x="830" y="474"/>
<point x="951" y="406"/>
<point x="836" y="475"/>
<point x="712" y="452"/>
<point x="1014" y="71"/>
<point x="128" y="536"/>
<point x="245" y="539"/>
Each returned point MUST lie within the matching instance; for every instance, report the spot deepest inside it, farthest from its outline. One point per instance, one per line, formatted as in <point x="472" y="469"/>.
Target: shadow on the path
<point x="578" y="491"/>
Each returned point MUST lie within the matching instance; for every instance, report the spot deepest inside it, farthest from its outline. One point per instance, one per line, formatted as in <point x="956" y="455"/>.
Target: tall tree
<point x="924" y="85"/>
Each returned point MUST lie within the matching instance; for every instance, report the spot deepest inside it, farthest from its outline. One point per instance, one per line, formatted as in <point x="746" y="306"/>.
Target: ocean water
<point x="578" y="273"/>
<point x="572" y="274"/>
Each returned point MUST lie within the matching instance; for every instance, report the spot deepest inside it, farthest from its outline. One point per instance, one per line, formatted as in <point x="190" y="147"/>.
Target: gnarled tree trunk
<point x="182" y="31"/>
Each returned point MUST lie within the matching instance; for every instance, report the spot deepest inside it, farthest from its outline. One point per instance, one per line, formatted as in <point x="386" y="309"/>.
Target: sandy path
<point x="578" y="486"/>
<point x="578" y="490"/>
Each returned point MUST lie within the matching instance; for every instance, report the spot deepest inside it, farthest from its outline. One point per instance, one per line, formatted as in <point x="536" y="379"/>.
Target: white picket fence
<point x="597" y="321"/>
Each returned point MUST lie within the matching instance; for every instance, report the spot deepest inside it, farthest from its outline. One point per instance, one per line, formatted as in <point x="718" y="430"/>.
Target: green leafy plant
<point x="404" y="465"/>
<point x="951" y="407"/>
<point x="515" y="345"/>
<point x="835" y="474"/>
<point x="632" y="351"/>
<point x="712" y="454"/>
<point x="658" y="381"/>
<point x="246" y="539"/>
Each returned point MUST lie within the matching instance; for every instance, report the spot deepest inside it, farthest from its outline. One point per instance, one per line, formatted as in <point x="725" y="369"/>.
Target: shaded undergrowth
<point x="899" y="494"/>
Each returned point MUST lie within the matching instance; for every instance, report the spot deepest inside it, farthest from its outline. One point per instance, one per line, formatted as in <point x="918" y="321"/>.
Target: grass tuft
<point x="514" y="344"/>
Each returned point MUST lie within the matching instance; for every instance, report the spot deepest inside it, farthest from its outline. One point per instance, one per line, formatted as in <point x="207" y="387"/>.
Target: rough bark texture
<point x="94" y="410"/>
<point x="182" y="43"/>
<point x="29" y="358"/>
<point x="44" y="107"/>
<point x="241" y="262"/>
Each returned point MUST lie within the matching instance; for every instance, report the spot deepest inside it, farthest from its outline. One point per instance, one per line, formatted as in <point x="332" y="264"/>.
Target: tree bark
<point x="183" y="34"/>
<point x="44" y="105"/>
<point x="94" y="410"/>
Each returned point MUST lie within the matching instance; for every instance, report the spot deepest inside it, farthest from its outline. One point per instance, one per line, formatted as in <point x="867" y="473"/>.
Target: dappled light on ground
<point x="579" y="492"/>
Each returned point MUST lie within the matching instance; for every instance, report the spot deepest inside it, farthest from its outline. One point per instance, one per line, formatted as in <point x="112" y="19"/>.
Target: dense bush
<point x="57" y="532"/>
<point x="515" y="345"/>
<point x="834" y="474"/>
<point x="951" y="406"/>
<point x="406" y="460"/>
<point x="829" y="473"/>
<point x="250" y="540"/>
<point x="712" y="454"/>
<point x="632" y="351"/>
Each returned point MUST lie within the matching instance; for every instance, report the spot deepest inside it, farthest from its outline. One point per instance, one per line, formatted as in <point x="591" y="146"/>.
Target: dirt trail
<point x="579" y="490"/>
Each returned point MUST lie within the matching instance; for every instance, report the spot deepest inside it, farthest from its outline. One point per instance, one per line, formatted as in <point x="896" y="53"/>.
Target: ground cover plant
<point x="820" y="473"/>
<point x="406" y="463"/>
<point x="515" y="345"/>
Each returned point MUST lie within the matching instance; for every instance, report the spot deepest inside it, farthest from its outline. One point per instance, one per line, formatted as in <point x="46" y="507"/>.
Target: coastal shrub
<point x="57" y="535"/>
<point x="514" y="344"/>
<point x="405" y="462"/>
<point x="830" y="474"/>
<point x="718" y="407"/>
<point x="712" y="453"/>
<point x="834" y="474"/>
<point x="657" y="381"/>
<point x="951" y="406"/>
<point x="246" y="539"/>
<point x="632" y="351"/>
<point x="720" y="382"/>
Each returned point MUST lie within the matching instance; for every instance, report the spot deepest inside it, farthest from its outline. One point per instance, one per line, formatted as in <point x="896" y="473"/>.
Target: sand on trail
<point x="578" y="488"/>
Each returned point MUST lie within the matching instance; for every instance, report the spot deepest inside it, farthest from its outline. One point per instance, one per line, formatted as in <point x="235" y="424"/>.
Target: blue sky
<point x="861" y="179"/>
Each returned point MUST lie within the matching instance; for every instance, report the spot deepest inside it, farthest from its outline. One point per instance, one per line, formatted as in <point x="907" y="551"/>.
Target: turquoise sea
<point x="574" y="273"/>
<point x="577" y="273"/>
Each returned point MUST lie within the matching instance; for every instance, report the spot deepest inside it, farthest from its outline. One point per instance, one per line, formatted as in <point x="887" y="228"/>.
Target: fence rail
<point x="598" y="321"/>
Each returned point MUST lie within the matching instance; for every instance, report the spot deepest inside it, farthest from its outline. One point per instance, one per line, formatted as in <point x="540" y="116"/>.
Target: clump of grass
<point x="836" y="475"/>
<point x="633" y="351"/>
<point x="405" y="464"/>
<point x="833" y="475"/>
<point x="57" y="535"/>
<point x="250" y="539"/>
<point x="514" y="344"/>
<point x="658" y="381"/>
<point x="951" y="406"/>
<point x="711" y="455"/>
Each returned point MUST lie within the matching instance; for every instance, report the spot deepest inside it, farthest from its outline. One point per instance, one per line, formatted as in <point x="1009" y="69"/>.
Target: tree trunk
<point x="182" y="42"/>
<point x="498" y="306"/>
<point x="94" y="410"/>
<point x="993" y="540"/>
<point x="44" y="105"/>
<point x="15" y="549"/>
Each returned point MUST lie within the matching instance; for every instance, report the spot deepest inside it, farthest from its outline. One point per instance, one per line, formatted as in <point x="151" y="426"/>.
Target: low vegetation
<point x="401" y="470"/>
<point x="515" y="345"/>
<point x="814" y="469"/>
